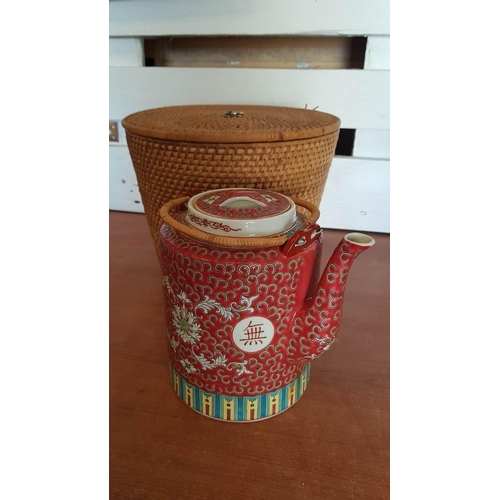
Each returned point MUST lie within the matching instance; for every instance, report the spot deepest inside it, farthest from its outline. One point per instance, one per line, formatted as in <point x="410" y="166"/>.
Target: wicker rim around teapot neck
<point x="231" y="242"/>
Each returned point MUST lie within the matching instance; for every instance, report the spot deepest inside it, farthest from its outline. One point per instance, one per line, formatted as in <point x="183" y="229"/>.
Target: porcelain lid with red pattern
<point x="241" y="212"/>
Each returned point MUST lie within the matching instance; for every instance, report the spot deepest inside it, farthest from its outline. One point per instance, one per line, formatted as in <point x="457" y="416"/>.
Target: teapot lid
<point x="241" y="212"/>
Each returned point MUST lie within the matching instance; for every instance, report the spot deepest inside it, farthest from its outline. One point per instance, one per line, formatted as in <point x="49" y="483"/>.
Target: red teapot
<point x="246" y="309"/>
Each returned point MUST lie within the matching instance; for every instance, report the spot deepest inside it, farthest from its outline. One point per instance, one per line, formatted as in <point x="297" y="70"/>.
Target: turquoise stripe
<point x="240" y="401"/>
<point x="263" y="407"/>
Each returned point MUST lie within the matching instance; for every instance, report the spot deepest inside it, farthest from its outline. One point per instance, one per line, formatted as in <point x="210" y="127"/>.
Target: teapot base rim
<point x="240" y="409"/>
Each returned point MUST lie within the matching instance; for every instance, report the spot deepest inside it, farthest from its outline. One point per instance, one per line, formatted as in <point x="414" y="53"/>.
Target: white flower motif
<point x="166" y="282"/>
<point x="183" y="296"/>
<point x="240" y="367"/>
<point x="218" y="360"/>
<point x="188" y="366"/>
<point x="245" y="304"/>
<point x="173" y="343"/>
<point x="209" y="304"/>
<point x="186" y="325"/>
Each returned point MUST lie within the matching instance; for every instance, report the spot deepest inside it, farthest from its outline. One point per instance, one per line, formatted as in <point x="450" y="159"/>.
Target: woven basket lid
<point x="231" y="123"/>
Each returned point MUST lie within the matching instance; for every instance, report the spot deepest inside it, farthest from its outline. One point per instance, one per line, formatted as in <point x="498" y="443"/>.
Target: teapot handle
<point x="302" y="240"/>
<point x="231" y="242"/>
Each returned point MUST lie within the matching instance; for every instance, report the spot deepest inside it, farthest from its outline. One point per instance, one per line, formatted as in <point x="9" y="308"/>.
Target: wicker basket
<point x="184" y="149"/>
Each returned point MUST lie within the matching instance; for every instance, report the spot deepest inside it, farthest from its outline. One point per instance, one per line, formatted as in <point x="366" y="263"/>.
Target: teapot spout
<point x="317" y="322"/>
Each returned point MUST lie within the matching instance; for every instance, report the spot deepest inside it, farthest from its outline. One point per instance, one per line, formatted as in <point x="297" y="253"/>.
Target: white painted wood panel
<point x="377" y="55"/>
<point x="356" y="195"/>
<point x="372" y="144"/>
<point x="126" y="52"/>
<point x="123" y="190"/>
<point x="248" y="17"/>
<point x="360" y="98"/>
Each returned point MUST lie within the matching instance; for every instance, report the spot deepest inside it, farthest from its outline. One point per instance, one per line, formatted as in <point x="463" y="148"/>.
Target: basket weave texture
<point x="185" y="149"/>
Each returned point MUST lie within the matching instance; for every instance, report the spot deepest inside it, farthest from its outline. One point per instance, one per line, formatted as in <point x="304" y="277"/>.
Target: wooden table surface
<point x="333" y="444"/>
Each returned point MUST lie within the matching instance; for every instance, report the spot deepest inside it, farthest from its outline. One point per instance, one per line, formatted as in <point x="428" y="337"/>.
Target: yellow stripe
<point x="189" y="395"/>
<point x="303" y="379"/>
<point x="228" y="407"/>
<point x="207" y="404"/>
<point x="252" y="404"/>
<point x="292" y="393"/>
<point x="176" y="384"/>
<point x="273" y="404"/>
